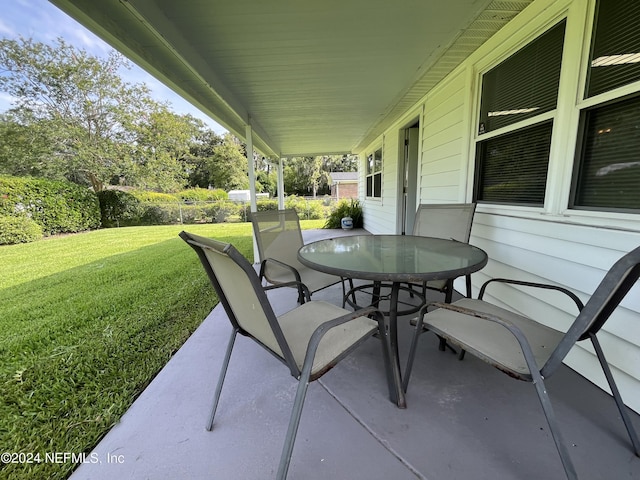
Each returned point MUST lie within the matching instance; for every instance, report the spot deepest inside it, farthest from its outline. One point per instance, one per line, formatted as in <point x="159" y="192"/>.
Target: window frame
<point x="372" y="175"/>
<point x="480" y="137"/>
<point x="585" y="104"/>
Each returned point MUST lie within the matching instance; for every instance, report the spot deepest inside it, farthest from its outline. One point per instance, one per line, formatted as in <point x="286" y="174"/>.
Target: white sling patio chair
<point x="445" y="220"/>
<point x="450" y="221"/>
<point x="309" y="339"/>
<point x="527" y="350"/>
<point x="279" y="238"/>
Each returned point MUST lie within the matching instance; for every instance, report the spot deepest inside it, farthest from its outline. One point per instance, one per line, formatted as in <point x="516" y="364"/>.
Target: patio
<point x="464" y="419"/>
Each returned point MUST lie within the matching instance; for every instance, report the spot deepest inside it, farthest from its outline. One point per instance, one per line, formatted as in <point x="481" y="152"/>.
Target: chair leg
<point x="223" y="373"/>
<point x="412" y="353"/>
<point x="448" y="297"/>
<point x="541" y="390"/>
<point x="633" y="436"/>
<point x="344" y="291"/>
<point x="294" y="422"/>
<point x="448" y="292"/>
<point x="468" y="282"/>
<point x="467" y="279"/>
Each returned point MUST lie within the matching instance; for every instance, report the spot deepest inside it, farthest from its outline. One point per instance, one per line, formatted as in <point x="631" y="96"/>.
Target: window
<point x="374" y="174"/>
<point x="513" y="167"/>
<point x="514" y="129"/>
<point x="607" y="169"/>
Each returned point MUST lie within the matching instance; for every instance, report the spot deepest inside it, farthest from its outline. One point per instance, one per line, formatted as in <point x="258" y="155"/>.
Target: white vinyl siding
<point x="551" y="243"/>
<point x="443" y="145"/>
<point x="379" y="213"/>
<point x="575" y="257"/>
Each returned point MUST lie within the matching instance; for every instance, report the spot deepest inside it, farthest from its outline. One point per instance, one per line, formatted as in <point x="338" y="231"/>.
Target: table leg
<point x="375" y="294"/>
<point x="393" y="342"/>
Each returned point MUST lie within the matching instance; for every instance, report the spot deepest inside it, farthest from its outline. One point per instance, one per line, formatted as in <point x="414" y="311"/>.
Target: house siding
<point x="443" y="142"/>
<point x="552" y="244"/>
<point x="380" y="213"/>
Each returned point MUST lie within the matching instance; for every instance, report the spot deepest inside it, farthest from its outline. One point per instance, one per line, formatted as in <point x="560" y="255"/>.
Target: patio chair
<point x="527" y="350"/>
<point x="450" y="221"/>
<point x="279" y="238"/>
<point x="309" y="340"/>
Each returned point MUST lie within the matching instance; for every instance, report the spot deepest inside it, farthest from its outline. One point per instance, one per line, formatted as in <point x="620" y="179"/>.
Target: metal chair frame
<point x="304" y="375"/>
<point x="462" y="234"/>
<point x="591" y="317"/>
<point x="290" y="264"/>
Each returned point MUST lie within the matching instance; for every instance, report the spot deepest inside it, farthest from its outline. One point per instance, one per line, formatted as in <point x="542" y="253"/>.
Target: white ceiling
<point x="324" y="76"/>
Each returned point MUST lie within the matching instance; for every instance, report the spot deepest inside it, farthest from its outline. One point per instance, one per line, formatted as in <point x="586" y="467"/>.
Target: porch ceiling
<point x="310" y="77"/>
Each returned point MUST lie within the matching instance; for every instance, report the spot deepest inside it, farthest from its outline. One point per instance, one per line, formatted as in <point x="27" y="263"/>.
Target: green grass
<point x="87" y="321"/>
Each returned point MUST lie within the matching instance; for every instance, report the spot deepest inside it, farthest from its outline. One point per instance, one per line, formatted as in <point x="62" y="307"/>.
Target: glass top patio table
<point x="396" y="259"/>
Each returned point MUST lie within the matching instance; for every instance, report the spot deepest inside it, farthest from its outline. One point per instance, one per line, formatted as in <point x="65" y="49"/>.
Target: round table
<point x="395" y="259"/>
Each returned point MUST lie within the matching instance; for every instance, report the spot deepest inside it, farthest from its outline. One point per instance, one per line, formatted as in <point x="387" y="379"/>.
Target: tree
<point x="162" y="145"/>
<point x="200" y="153"/>
<point x="304" y="175"/>
<point x="227" y="166"/>
<point x="74" y="117"/>
<point x="19" y="161"/>
<point x="268" y="182"/>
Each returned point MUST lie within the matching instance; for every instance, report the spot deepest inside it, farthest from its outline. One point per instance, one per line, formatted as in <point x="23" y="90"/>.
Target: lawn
<point x="87" y="321"/>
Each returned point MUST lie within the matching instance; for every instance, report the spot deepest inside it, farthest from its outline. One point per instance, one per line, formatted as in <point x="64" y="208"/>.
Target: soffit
<point x="310" y="77"/>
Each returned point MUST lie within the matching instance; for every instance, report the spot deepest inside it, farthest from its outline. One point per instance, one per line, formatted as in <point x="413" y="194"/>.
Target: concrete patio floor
<point x="465" y="419"/>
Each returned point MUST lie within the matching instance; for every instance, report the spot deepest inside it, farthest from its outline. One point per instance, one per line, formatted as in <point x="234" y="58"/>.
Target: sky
<point x="44" y="22"/>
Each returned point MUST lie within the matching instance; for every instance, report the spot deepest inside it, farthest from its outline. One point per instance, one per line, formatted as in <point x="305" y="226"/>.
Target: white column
<point x="252" y="173"/>
<point x="281" y="184"/>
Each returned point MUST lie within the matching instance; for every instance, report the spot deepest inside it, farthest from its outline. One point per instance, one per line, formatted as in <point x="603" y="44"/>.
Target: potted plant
<point x="347" y="214"/>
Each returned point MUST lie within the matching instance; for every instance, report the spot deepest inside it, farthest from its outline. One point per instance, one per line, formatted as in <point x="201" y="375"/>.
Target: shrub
<point x="158" y="214"/>
<point x="202" y="195"/>
<point x="265" y="205"/>
<point x="119" y="209"/>
<point x="223" y="211"/>
<point x="155" y="197"/>
<point x="306" y="209"/>
<point x="58" y="207"/>
<point x="345" y="208"/>
<point x="18" y="229"/>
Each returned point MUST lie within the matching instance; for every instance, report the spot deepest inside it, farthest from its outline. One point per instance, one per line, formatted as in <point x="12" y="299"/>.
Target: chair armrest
<point x="546" y="286"/>
<point x="392" y="368"/>
<point x="298" y="285"/>
<point x="263" y="266"/>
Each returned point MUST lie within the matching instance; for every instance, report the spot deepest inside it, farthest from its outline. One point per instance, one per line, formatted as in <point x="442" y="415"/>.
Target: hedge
<point x="57" y="206"/>
<point x="124" y="209"/>
<point x="306" y="209"/>
<point x="202" y="195"/>
<point x="19" y="229"/>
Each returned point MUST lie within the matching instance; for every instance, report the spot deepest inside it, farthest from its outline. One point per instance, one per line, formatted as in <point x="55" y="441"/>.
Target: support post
<point x="281" y="184"/>
<point x="251" y="166"/>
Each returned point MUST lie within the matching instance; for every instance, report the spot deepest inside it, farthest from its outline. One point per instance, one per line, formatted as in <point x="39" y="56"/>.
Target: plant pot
<point x="346" y="223"/>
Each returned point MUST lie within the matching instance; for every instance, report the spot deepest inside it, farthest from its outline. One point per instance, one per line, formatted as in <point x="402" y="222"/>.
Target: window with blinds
<point x="609" y="174"/>
<point x="615" y="52"/>
<point x="513" y="167"/>
<point x="512" y="164"/>
<point x="524" y="85"/>
<point x="607" y="171"/>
